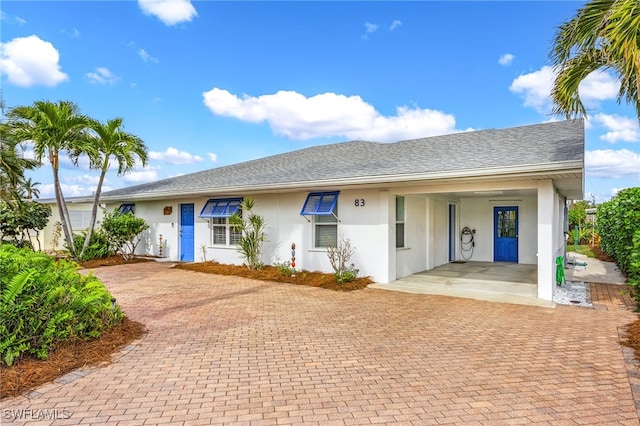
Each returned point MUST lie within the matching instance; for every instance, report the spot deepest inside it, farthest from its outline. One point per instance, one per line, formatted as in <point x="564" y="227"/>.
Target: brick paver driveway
<point x="225" y="350"/>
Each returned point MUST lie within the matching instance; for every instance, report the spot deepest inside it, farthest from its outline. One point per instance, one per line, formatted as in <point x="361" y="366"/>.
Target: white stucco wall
<point x="478" y="214"/>
<point x="413" y="257"/>
<point x="359" y="224"/>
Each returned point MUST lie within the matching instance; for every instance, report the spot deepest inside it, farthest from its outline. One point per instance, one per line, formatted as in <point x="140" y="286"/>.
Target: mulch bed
<point x="28" y="373"/>
<point x="271" y="273"/>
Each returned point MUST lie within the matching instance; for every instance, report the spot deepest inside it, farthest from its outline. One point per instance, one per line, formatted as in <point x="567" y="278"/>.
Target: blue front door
<point x="186" y="232"/>
<point x="505" y="234"/>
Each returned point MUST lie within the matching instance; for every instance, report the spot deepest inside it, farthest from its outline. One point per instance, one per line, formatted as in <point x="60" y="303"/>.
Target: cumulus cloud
<point x="609" y="163"/>
<point x="535" y="88"/>
<point x="31" y="61"/>
<point x="141" y="176"/>
<point x="295" y="116"/>
<point x="146" y="57"/>
<point x="170" y="12"/>
<point x="85" y="178"/>
<point x="619" y="128"/>
<point x="47" y="190"/>
<point x="599" y="86"/>
<point x="212" y="156"/>
<point x="395" y="24"/>
<point x="102" y="75"/>
<point x="174" y="156"/>
<point x="506" y="59"/>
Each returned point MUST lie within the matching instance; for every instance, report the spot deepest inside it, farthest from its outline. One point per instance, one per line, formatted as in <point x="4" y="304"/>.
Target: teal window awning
<point x="320" y="204"/>
<point x="126" y="208"/>
<point x="220" y="207"/>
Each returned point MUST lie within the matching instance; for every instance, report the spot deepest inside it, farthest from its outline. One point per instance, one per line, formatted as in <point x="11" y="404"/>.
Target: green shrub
<point x="98" y="245"/>
<point x="617" y="220"/>
<point x="253" y="234"/>
<point x="123" y="232"/>
<point x="633" y="275"/>
<point x="284" y="268"/>
<point x="43" y="302"/>
<point x="619" y="229"/>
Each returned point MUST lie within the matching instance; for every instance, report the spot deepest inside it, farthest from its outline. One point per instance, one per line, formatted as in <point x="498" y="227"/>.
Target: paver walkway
<point x="226" y="350"/>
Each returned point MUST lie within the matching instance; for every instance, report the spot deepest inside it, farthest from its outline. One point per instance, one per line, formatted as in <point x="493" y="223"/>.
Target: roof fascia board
<point x="527" y="171"/>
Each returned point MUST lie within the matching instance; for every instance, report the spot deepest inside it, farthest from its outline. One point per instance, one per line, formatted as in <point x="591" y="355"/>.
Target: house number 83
<point x="359" y="202"/>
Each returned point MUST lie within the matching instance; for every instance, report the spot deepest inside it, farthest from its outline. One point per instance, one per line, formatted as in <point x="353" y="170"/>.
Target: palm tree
<point x="12" y="165"/>
<point x="52" y="128"/>
<point x="28" y="189"/>
<point x="604" y="34"/>
<point x="110" y="140"/>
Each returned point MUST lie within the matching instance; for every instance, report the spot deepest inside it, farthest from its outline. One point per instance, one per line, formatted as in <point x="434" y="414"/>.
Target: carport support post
<point x="546" y="261"/>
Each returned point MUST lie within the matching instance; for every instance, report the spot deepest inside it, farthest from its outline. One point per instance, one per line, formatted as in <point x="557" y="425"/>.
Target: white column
<point x="546" y="260"/>
<point x="387" y="236"/>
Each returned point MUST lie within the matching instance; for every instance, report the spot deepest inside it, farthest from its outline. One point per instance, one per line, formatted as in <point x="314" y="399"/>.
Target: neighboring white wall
<point x="478" y="214"/>
<point x="80" y="215"/>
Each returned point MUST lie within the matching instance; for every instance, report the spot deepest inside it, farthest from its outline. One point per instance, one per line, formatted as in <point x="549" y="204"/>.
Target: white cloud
<point x="506" y="59"/>
<point x="102" y="75"/>
<point x="599" y="86"/>
<point x="12" y="19"/>
<point x="142" y="176"/>
<point x="395" y="24"/>
<point x="31" y="61"/>
<point x="174" y="156"/>
<point x="619" y="128"/>
<point x="85" y="178"/>
<point x="212" y="156"/>
<point x="170" y="12"/>
<point x="370" y="28"/>
<point x="609" y="163"/>
<point x="144" y="55"/>
<point x="295" y="116"/>
<point x="535" y="88"/>
<point x="47" y="191"/>
<point x="73" y="33"/>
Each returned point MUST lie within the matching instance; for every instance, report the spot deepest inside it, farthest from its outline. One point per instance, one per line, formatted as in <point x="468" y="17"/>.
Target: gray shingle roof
<point x="533" y="145"/>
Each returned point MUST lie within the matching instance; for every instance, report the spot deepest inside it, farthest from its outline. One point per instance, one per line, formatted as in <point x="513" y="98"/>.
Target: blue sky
<point x="208" y="83"/>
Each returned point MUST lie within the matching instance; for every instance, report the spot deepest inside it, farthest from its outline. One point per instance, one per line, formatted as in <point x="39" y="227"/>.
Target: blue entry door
<point x="186" y="232"/>
<point x="505" y="236"/>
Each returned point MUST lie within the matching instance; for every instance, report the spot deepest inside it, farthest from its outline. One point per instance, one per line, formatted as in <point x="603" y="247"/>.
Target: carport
<point x="493" y="281"/>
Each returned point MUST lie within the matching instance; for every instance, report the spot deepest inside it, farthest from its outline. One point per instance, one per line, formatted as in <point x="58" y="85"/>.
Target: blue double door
<point x="505" y="234"/>
<point x="187" y="242"/>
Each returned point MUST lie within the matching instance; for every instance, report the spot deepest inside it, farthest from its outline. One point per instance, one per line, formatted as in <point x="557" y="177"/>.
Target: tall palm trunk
<point x="94" y="208"/>
<point x="62" y="207"/>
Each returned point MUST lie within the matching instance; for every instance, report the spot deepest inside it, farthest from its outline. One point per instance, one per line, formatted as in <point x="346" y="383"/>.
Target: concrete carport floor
<point x="491" y="281"/>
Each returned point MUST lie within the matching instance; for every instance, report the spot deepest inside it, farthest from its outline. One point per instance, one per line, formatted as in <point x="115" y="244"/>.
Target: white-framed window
<point x="325" y="230"/>
<point x="323" y="207"/>
<point x="399" y="222"/>
<point x="223" y="233"/>
<point x="218" y="211"/>
<point x="79" y="219"/>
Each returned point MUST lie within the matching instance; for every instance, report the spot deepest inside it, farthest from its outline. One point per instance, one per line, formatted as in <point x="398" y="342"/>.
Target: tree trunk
<point x="94" y="209"/>
<point x="62" y="207"/>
